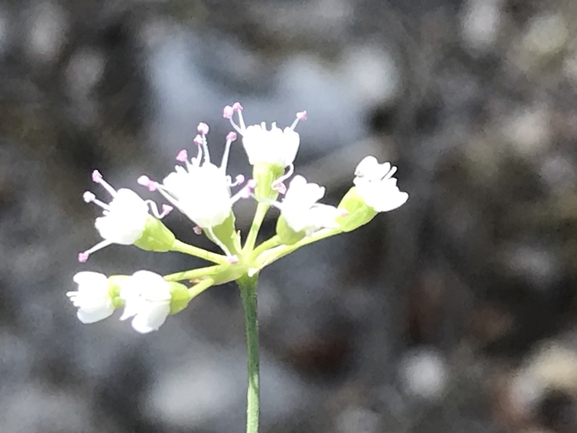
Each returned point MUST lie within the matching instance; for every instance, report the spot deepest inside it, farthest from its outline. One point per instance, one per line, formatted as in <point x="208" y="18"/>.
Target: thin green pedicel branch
<point x="182" y="247"/>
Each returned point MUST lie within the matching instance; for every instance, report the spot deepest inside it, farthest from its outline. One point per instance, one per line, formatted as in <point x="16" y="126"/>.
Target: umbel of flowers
<point x="204" y="192"/>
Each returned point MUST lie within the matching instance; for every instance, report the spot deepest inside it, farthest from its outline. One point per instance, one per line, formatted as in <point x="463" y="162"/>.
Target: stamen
<point x="278" y="185"/>
<point x="146" y="182"/>
<point x="166" y="209"/>
<point x="88" y="197"/>
<point x="202" y="128"/>
<point x="236" y="106"/>
<point x="343" y="212"/>
<point x="245" y="192"/>
<point x="232" y="259"/>
<point x="97" y="178"/>
<point x="390" y="174"/>
<point x="237" y="180"/>
<point x="200" y="140"/>
<point x="197" y="230"/>
<point x="182" y="156"/>
<point x="301" y="115"/>
<point x="227" y="112"/>
<point x="230" y="137"/>
<point x="83" y="257"/>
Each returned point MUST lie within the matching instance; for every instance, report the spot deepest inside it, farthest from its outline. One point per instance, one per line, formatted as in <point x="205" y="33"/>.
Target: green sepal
<point x="358" y="212"/>
<point x="226" y="234"/>
<point x="155" y="237"/>
<point x="265" y="175"/>
<point x="179" y="297"/>
<point x="115" y="283"/>
<point x="286" y="234"/>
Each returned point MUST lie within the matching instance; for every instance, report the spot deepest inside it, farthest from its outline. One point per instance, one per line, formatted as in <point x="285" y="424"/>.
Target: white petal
<point x="151" y="318"/>
<point x="91" y="315"/>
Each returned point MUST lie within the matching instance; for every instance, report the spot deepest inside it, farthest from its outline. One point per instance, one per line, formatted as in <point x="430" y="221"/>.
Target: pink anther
<point x="202" y="128"/>
<point x="96" y="176"/>
<point x="302" y="115"/>
<point x="88" y="197"/>
<point x="236" y="106"/>
<point x="232" y="259"/>
<point x="231" y="136"/>
<point x="182" y="156"/>
<point x="197" y="230"/>
<point x="83" y="257"/>
<point x="227" y="112"/>
<point x="146" y="182"/>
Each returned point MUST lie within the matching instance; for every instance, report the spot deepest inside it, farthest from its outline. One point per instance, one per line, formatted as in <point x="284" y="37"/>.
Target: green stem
<point x="266" y="245"/>
<point x="182" y="247"/>
<point x="247" y="286"/>
<point x="261" y="210"/>
<point x="193" y="274"/>
<point x="271" y="256"/>
<point x="197" y="289"/>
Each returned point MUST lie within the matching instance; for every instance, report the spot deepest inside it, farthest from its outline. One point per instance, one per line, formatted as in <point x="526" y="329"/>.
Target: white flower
<point x="201" y="192"/>
<point x="275" y="146"/>
<point x="92" y="297"/>
<point x="377" y="186"/>
<point x="147" y="299"/>
<point x="301" y="210"/>
<point x="200" y="189"/>
<point x="124" y="218"/>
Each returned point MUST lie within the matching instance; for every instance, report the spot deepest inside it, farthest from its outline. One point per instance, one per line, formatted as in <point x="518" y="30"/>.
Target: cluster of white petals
<point x="301" y="211"/>
<point x="200" y="189"/>
<point x="276" y="146"/>
<point x="147" y="301"/>
<point x="92" y="297"/>
<point x="146" y="298"/>
<point x="377" y="186"/>
<point x="124" y="218"/>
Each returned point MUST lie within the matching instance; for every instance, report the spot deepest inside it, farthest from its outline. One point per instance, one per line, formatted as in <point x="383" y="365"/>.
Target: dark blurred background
<point x="456" y="313"/>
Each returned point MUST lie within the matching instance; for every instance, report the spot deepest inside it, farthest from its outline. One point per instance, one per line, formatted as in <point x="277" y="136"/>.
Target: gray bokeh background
<point x="455" y="313"/>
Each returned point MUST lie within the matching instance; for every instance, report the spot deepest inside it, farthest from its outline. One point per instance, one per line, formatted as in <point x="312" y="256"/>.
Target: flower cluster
<point x="202" y="191"/>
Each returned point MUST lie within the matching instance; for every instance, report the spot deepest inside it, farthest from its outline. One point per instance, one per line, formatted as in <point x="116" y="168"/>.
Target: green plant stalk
<point x="185" y="248"/>
<point x="261" y="210"/>
<point x="247" y="286"/>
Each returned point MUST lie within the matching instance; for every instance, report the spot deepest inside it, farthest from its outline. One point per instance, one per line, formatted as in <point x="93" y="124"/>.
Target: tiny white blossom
<point x="377" y="186"/>
<point x="301" y="211"/>
<point x="200" y="189"/>
<point x="92" y="297"/>
<point x="276" y="146"/>
<point x="147" y="300"/>
<point x="124" y="218"/>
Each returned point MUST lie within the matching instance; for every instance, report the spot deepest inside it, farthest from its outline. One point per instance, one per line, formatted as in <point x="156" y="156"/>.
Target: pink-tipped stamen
<point x="280" y="188"/>
<point x="166" y="209"/>
<point x="301" y="115"/>
<point x="236" y="106"/>
<point x="343" y="212"/>
<point x="197" y="230"/>
<point x="146" y="182"/>
<point x="278" y="184"/>
<point x="88" y="197"/>
<point x="237" y="180"/>
<point x="230" y="137"/>
<point x="83" y="257"/>
<point x="202" y="128"/>
<point x="232" y="259"/>
<point x="182" y="156"/>
<point x="97" y="178"/>
<point x="227" y="112"/>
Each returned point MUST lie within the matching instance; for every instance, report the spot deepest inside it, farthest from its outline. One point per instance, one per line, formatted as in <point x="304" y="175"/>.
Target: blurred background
<point x="455" y="313"/>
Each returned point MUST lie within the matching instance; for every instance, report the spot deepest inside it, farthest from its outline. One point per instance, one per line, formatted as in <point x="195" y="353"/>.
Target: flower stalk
<point x="248" y="290"/>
